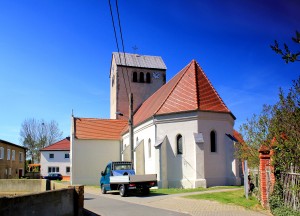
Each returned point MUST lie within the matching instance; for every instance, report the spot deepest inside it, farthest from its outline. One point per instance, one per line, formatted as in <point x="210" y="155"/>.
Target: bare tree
<point x="286" y="53"/>
<point x="37" y="134"/>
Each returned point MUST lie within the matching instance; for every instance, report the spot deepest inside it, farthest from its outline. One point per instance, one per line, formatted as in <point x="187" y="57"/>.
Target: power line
<point x="116" y="38"/>
<point x="123" y="44"/>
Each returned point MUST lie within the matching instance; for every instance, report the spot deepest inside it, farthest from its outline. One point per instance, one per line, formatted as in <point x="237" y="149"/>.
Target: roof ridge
<point x="99" y="119"/>
<point x="197" y="84"/>
<point x="213" y="88"/>
<point x="184" y="70"/>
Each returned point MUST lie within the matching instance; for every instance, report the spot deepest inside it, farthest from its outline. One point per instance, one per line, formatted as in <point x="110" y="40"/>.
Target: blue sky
<point x="55" y="54"/>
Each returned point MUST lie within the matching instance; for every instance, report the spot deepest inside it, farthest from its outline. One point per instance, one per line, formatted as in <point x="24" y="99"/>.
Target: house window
<point x="179" y="144"/>
<point x="68" y="169"/>
<point x="9" y="171"/>
<point x="8" y="154"/>
<point x="148" y="78"/>
<point x="21" y="156"/>
<point x="67" y="155"/>
<point x="149" y="148"/>
<point x="142" y="79"/>
<point x="53" y="169"/>
<point x="51" y="155"/>
<point x="213" y="147"/>
<point x="13" y="155"/>
<point x="134" y="77"/>
<point x="1" y="153"/>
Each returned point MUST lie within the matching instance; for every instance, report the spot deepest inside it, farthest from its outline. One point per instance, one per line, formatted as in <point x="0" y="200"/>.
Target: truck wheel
<point x="122" y="191"/>
<point x="103" y="190"/>
<point x="145" y="191"/>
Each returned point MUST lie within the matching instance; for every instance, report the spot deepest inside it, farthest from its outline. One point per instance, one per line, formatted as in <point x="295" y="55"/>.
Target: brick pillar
<point x="264" y="157"/>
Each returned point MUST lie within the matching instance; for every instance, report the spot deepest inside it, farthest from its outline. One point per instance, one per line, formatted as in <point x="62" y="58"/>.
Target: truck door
<point x="106" y="177"/>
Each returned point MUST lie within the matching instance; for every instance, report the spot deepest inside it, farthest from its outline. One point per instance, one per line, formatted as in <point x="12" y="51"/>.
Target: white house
<point x="182" y="130"/>
<point x="55" y="158"/>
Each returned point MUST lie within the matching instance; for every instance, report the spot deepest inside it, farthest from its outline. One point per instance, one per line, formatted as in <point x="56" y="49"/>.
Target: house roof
<point x="189" y="90"/>
<point x="62" y="145"/>
<point x="93" y="128"/>
<point x="143" y="61"/>
<point x="9" y="143"/>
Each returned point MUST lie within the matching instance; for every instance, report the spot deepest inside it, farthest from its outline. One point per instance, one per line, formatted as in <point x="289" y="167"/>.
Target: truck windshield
<point x="122" y="166"/>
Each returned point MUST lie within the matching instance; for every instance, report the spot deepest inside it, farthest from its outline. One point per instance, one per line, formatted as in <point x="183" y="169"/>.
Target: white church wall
<point x="181" y="170"/>
<point x="217" y="168"/>
<point x="144" y="132"/>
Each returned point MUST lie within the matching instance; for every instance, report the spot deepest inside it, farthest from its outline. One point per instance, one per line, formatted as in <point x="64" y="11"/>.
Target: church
<point x="182" y="130"/>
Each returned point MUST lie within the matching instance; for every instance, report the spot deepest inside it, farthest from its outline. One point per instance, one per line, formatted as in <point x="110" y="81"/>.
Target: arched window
<point x="179" y="144"/>
<point x="213" y="146"/>
<point x="149" y="148"/>
<point x="148" y="78"/>
<point x="134" y="77"/>
<point x="142" y="79"/>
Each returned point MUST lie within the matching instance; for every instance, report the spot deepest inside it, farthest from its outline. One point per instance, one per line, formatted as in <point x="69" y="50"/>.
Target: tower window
<point x="148" y="78"/>
<point x="142" y="77"/>
<point x="179" y="144"/>
<point x="134" y="77"/>
<point x="213" y="147"/>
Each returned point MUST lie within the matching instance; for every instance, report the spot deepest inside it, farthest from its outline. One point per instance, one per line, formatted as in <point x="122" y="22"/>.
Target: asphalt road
<point x="106" y="206"/>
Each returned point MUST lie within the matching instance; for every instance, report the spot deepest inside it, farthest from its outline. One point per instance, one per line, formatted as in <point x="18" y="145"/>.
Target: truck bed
<point x="132" y="178"/>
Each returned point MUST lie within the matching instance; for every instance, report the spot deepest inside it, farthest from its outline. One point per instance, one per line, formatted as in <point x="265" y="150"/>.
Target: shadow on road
<point x="89" y="213"/>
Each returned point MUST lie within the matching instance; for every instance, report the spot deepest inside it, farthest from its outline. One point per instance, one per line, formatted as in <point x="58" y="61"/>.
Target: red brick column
<point x="264" y="157"/>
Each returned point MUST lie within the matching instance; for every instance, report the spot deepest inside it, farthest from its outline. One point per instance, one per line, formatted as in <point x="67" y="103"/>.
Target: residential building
<point x="55" y="158"/>
<point x="12" y="160"/>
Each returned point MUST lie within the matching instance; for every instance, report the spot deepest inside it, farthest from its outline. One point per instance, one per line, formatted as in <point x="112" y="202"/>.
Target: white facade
<point x="55" y="162"/>
<point x="90" y="157"/>
<point x="197" y="166"/>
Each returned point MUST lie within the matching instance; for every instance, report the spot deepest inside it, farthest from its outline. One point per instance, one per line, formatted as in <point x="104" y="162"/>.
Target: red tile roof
<point x="63" y="145"/>
<point x="238" y="137"/>
<point x="189" y="90"/>
<point x="93" y="128"/>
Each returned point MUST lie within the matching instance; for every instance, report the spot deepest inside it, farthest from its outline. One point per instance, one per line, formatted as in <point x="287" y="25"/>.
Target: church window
<point x="164" y="78"/>
<point x="149" y="148"/>
<point x="148" y="78"/>
<point x="213" y="146"/>
<point x="142" y="77"/>
<point x="179" y="144"/>
<point x="134" y="77"/>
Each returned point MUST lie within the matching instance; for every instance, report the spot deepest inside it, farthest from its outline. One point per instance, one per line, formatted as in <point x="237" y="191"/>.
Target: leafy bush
<point x="276" y="203"/>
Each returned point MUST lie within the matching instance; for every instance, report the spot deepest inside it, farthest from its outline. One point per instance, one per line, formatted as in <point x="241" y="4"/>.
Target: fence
<point x="291" y="190"/>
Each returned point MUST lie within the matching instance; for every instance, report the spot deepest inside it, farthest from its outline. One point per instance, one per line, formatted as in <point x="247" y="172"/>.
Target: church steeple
<point x="137" y="74"/>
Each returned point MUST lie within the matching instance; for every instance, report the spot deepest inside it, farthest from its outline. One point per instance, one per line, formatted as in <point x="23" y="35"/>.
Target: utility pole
<point x="130" y="123"/>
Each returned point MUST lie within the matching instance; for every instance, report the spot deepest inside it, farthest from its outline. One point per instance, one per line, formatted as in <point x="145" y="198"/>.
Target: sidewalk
<point x="176" y="202"/>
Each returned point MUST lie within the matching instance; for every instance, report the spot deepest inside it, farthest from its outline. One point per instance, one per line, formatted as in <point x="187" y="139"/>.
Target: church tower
<point x="139" y="74"/>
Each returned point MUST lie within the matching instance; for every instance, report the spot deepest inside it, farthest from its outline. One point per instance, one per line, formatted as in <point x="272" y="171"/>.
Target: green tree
<point x="286" y="53"/>
<point x="255" y="133"/>
<point x="37" y="134"/>
<point x="277" y="127"/>
<point x="285" y="128"/>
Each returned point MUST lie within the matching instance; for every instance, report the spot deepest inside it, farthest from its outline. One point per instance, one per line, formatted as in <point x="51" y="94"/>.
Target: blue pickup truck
<point x="121" y="176"/>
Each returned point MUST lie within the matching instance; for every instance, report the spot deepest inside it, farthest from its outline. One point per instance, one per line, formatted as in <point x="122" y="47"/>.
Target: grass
<point x="230" y="197"/>
<point x="180" y="190"/>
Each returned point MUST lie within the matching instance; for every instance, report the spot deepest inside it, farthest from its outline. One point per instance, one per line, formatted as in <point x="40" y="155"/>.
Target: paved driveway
<point x="177" y="203"/>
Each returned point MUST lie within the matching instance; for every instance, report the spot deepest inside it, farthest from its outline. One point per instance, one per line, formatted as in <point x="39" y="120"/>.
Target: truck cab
<point x="121" y="176"/>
